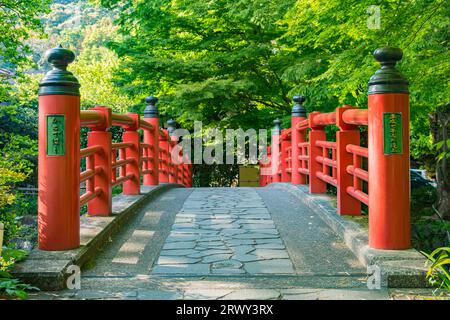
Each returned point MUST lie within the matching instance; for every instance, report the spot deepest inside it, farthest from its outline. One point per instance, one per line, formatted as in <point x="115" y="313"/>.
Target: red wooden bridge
<point x="373" y="172"/>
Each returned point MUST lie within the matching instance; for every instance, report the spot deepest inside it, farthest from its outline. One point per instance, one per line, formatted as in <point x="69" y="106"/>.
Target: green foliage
<point x="19" y="20"/>
<point x="214" y="61"/>
<point x="439" y="272"/>
<point x="95" y="65"/>
<point x="18" y="146"/>
<point x="237" y="63"/>
<point x="444" y="148"/>
<point x="9" y="286"/>
<point x="428" y="230"/>
<point x="215" y="175"/>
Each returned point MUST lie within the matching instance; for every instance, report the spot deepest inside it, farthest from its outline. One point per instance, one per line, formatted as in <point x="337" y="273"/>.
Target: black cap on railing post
<point x="59" y="81"/>
<point x="171" y="126"/>
<point x="151" y="110"/>
<point x="277" y="127"/>
<point x="388" y="79"/>
<point x="298" y="110"/>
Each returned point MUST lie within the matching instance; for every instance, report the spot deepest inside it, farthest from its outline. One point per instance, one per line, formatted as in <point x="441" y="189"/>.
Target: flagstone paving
<point x="223" y="231"/>
<point x="223" y="243"/>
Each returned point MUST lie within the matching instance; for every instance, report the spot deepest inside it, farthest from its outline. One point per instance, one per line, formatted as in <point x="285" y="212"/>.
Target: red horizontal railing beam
<point x="326" y="144"/>
<point x="121" y="120"/>
<point x="358" y="150"/>
<point x="359" y="117"/>
<point x="357" y="172"/>
<point x="146" y="145"/>
<point x="86" y="152"/>
<point x="121" y="180"/>
<point x="358" y="194"/>
<point x="327" y="178"/>
<point x="91" y="117"/>
<point x="303" y="170"/>
<point x="303" y="157"/>
<point x="145" y="125"/>
<point x="120" y="163"/>
<point x="323" y="119"/>
<point x="326" y="161"/>
<point x="121" y="145"/>
<point x="302" y="125"/>
<point x="88" y="196"/>
<point x="89" y="173"/>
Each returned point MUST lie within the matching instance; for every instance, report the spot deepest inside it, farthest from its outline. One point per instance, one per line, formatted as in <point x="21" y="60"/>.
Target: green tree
<point x="215" y="61"/>
<point x="19" y="20"/>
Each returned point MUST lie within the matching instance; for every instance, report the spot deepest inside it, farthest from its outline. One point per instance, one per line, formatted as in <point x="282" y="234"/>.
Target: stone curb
<point x="47" y="270"/>
<point x="399" y="268"/>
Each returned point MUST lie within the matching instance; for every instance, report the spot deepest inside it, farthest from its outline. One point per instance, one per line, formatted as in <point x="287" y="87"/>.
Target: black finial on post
<point x="298" y="110"/>
<point x="277" y="127"/>
<point x="388" y="79"/>
<point x="59" y="80"/>
<point x="151" y="110"/>
<point x="171" y="126"/>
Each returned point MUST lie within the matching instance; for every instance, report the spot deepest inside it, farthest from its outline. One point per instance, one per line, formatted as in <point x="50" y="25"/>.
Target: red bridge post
<point x="285" y="144"/>
<point x="276" y="152"/>
<point x="317" y="133"/>
<point x="98" y="136"/>
<point x="59" y="155"/>
<point x="389" y="183"/>
<point x="347" y="134"/>
<point x="151" y="137"/>
<point x="173" y="140"/>
<point x="132" y="186"/>
<point x="297" y="136"/>
<point x="164" y="159"/>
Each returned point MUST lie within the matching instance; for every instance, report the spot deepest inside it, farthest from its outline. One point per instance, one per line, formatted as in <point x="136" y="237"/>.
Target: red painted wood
<point x="389" y="184"/>
<point x="59" y="177"/>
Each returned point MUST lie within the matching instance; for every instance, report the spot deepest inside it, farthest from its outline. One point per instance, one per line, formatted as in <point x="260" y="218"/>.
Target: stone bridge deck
<point x="223" y="243"/>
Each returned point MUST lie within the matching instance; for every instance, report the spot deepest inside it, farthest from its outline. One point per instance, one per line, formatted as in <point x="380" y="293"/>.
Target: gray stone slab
<point x="243" y="249"/>
<point x="227" y="271"/>
<point x="252" y="294"/>
<point x="227" y="264"/>
<point x="180" y="245"/>
<point x="270" y="246"/>
<point x="275" y="266"/>
<point x="201" y="269"/>
<point x="158" y="295"/>
<point x="246" y="257"/>
<point x="178" y="252"/>
<point x="181" y="237"/>
<point x="216" y="257"/>
<point x="334" y="294"/>
<point x="204" y="253"/>
<point x="271" y="253"/>
<point x="254" y="236"/>
<point x="176" y="260"/>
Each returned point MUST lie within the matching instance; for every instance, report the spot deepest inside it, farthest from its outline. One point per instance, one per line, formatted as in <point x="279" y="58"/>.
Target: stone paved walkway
<point x="223" y="243"/>
<point x="224" y="231"/>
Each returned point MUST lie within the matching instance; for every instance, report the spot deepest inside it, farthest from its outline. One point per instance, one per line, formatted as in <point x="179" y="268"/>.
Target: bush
<point x="439" y="272"/>
<point x="429" y="231"/>
<point x="9" y="286"/>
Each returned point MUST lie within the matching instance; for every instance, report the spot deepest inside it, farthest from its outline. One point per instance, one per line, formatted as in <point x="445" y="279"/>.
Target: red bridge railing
<point x="376" y="175"/>
<point x="143" y="157"/>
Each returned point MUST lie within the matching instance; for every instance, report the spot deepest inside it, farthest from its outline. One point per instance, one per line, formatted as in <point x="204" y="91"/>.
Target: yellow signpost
<point x="248" y="176"/>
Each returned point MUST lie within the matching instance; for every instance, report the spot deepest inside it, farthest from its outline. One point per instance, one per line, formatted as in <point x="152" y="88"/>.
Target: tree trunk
<point x="439" y="123"/>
